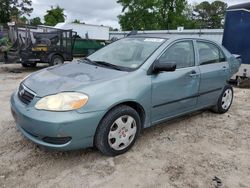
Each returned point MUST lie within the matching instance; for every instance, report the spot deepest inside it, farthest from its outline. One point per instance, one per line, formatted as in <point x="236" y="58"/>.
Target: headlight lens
<point x="62" y="102"/>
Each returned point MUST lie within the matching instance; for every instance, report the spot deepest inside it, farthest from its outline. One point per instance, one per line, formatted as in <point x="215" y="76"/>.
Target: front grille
<point x="24" y="95"/>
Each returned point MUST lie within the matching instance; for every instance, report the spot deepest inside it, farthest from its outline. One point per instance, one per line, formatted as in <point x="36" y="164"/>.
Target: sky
<point x="98" y="12"/>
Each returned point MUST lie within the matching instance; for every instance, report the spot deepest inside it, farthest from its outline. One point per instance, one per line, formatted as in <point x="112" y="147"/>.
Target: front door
<point x="174" y="93"/>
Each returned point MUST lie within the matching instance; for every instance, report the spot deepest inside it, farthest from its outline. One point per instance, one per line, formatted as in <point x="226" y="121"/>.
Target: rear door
<point x="175" y="92"/>
<point x="214" y="71"/>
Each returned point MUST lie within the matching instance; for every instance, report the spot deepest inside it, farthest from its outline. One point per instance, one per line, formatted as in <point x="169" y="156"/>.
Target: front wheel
<point x="118" y="131"/>
<point x="225" y="100"/>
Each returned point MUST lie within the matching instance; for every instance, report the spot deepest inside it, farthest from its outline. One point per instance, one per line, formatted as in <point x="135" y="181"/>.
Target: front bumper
<point x="38" y="125"/>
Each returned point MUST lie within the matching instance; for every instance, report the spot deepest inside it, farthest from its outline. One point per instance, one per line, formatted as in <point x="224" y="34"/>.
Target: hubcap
<point x="57" y="61"/>
<point x="227" y="99"/>
<point x="122" y="132"/>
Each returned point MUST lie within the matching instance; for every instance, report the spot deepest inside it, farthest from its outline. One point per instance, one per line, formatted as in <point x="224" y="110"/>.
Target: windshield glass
<point x="127" y="52"/>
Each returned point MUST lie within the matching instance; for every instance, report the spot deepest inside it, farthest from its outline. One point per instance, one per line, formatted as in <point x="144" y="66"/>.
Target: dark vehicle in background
<point x="236" y="37"/>
<point x="53" y="47"/>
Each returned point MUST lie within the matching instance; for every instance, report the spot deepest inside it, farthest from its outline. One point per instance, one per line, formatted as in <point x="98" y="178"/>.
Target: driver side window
<point x="181" y="53"/>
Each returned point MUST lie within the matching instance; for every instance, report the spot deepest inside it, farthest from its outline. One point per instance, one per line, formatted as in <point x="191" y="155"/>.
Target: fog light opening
<point x="57" y="141"/>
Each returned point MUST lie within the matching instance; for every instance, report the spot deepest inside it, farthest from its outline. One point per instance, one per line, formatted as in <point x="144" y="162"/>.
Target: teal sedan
<point x="106" y="99"/>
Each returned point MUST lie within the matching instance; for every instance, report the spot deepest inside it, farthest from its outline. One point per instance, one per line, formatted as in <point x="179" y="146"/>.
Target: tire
<point x="225" y="100"/>
<point x="56" y="60"/>
<point x="30" y="65"/>
<point x="118" y="131"/>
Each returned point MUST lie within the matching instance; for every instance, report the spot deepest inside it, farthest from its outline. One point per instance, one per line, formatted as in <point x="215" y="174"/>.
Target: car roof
<point x="165" y="36"/>
<point x="143" y="35"/>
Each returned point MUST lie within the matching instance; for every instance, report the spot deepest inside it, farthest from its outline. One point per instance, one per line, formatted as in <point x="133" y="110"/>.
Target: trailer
<point x="52" y="47"/>
<point x="236" y="37"/>
<point x="32" y="45"/>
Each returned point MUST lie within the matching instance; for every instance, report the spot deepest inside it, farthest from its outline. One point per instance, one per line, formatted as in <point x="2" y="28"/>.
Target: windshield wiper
<point x="89" y="61"/>
<point x="102" y="63"/>
<point x="106" y="64"/>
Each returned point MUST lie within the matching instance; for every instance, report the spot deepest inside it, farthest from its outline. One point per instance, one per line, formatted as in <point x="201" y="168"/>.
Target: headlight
<point x="65" y="101"/>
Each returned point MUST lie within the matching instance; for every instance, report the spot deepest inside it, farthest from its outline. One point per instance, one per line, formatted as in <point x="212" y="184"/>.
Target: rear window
<point x="209" y="53"/>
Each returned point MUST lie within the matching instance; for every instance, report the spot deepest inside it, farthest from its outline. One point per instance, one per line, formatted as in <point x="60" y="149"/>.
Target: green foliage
<point x="113" y="29"/>
<point x="138" y="14"/>
<point x="23" y="20"/>
<point x="172" y="13"/>
<point x="35" y="21"/>
<point x="211" y="15"/>
<point x="5" y="44"/>
<point x="152" y="14"/>
<point x="76" y="21"/>
<point x="54" y="16"/>
<point x="169" y="14"/>
<point x="14" y="8"/>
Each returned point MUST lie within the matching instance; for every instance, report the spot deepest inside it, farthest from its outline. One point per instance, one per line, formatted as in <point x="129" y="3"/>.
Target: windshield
<point x="128" y="52"/>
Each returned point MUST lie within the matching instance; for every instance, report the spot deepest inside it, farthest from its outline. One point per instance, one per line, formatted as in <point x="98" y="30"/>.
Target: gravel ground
<point x="187" y="152"/>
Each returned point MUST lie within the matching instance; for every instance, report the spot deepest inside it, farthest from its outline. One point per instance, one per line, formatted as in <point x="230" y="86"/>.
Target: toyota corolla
<point x="106" y="99"/>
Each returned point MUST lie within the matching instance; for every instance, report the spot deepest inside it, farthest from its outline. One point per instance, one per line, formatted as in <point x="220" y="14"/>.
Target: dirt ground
<point x="187" y="152"/>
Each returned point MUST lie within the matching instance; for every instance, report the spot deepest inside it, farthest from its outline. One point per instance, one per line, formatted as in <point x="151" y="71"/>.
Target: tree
<point x="14" y="9"/>
<point x="137" y="14"/>
<point x="190" y="18"/>
<point x="54" y="16"/>
<point x="76" y="21"/>
<point x="113" y="29"/>
<point x="35" y="21"/>
<point x="211" y="15"/>
<point x="152" y="14"/>
<point x="23" y="20"/>
<point x="219" y="9"/>
<point x="172" y="13"/>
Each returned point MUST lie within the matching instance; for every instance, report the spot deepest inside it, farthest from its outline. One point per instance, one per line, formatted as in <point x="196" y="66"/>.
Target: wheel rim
<point x="227" y="99"/>
<point x="57" y="61"/>
<point x="122" y="132"/>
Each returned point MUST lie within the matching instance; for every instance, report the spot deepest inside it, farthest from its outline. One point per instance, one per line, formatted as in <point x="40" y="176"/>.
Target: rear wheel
<point x="118" y="131"/>
<point x="56" y="60"/>
<point x="225" y="100"/>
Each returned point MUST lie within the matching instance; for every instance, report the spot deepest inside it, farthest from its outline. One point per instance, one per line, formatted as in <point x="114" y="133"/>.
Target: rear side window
<point x="180" y="53"/>
<point x="209" y="53"/>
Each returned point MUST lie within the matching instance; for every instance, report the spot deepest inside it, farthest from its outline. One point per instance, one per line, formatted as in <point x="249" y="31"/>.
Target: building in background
<point x="87" y="31"/>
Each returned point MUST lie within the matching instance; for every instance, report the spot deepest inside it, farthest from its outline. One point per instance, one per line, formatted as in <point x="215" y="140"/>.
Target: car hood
<point x="68" y="77"/>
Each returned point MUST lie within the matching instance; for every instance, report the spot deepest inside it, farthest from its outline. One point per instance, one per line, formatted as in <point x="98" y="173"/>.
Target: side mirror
<point x="163" y="67"/>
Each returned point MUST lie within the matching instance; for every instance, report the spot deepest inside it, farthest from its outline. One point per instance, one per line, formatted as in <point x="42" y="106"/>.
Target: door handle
<point x="193" y="73"/>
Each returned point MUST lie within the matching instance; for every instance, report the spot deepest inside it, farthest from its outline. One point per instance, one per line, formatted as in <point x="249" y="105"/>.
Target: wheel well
<point x="137" y="107"/>
<point x="56" y="54"/>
